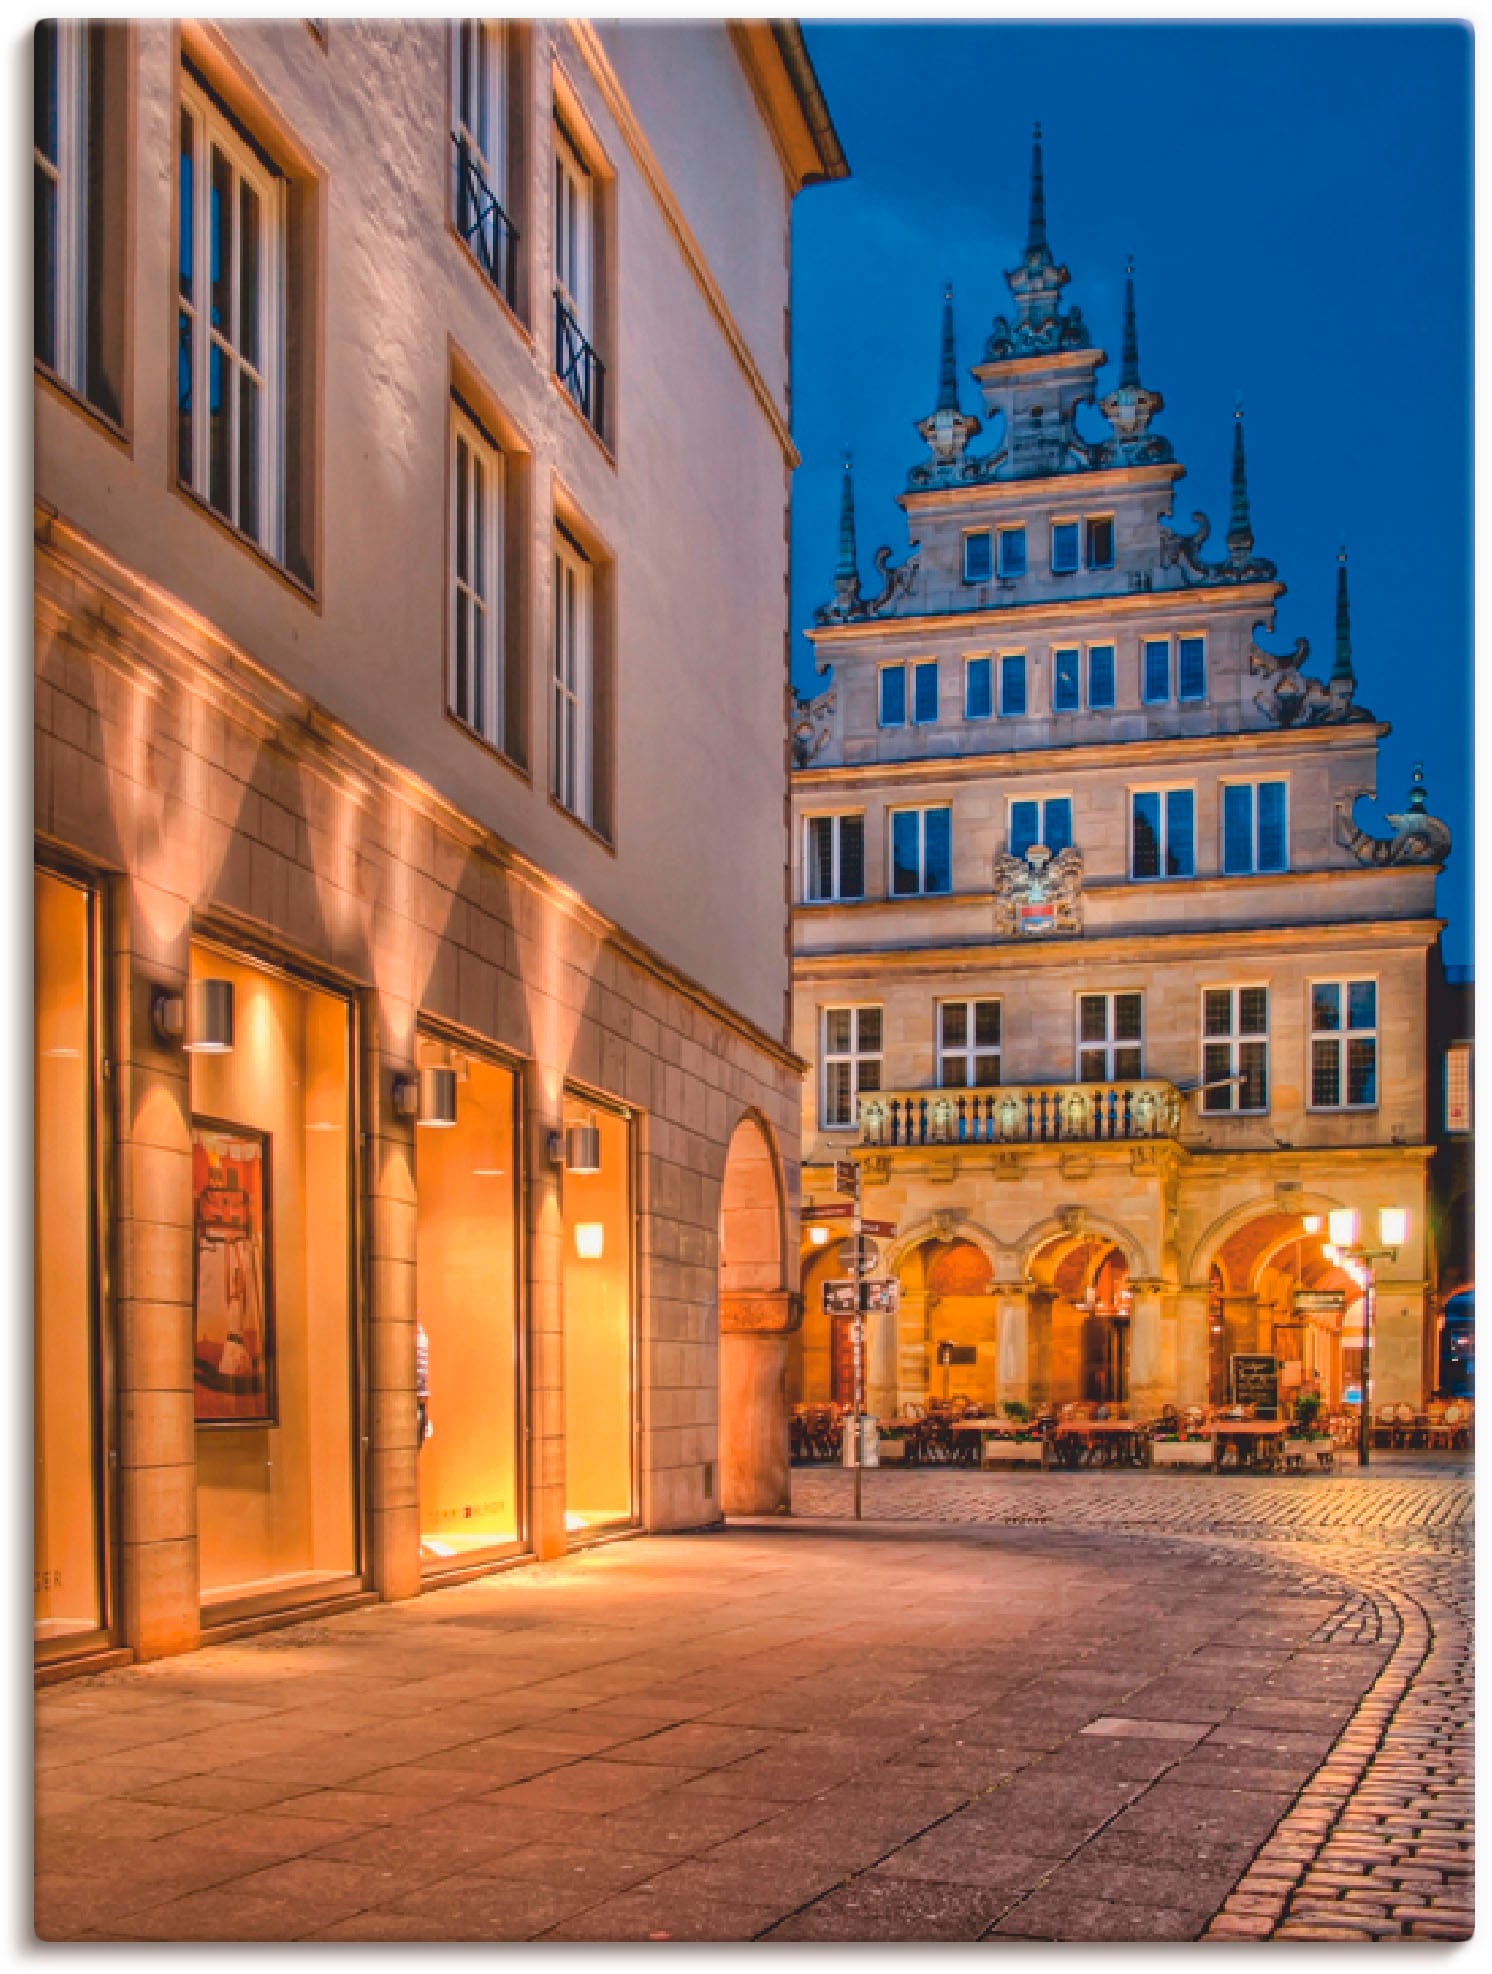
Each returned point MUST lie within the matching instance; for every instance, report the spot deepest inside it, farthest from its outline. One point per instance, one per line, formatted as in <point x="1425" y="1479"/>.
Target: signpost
<point x="862" y="1253"/>
<point x="857" y="1296"/>
<point x="833" y="1209"/>
<point x="879" y="1294"/>
<point x="1319" y="1302"/>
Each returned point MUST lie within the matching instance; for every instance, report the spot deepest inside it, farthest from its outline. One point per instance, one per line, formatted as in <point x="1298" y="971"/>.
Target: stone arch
<point x="758" y="1312"/>
<point x="1059" y="1234"/>
<point x="944" y="1227"/>
<point x="1205" y="1250"/>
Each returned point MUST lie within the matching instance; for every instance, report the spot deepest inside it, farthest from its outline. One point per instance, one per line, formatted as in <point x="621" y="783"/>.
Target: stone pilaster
<point x="755" y="1477"/>
<point x="391" y="1214"/>
<point x="1192" y="1346"/>
<point x="1039" y="1347"/>
<point x="1013" y="1380"/>
<point x="1148" y="1387"/>
<point x="545" y="1231"/>
<point x="913" y="1373"/>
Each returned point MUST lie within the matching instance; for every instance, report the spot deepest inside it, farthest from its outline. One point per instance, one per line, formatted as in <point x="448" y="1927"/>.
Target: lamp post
<point x="1344" y="1246"/>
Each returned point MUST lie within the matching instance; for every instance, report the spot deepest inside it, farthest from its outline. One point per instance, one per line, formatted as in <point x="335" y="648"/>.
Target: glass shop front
<point x="599" y="1327"/>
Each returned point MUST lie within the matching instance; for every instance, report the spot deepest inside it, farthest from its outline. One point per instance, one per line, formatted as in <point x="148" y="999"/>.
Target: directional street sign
<point x="846" y="1176"/>
<point x="868" y="1253"/>
<point x="884" y="1230"/>
<point x="832" y="1209"/>
<point x="879" y="1297"/>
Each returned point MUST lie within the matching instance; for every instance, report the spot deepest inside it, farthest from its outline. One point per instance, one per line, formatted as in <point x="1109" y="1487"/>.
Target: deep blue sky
<point x="1297" y="200"/>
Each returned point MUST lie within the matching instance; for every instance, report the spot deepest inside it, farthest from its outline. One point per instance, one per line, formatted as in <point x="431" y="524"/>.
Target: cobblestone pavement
<point x="1379" y="1843"/>
<point x="1006" y="1722"/>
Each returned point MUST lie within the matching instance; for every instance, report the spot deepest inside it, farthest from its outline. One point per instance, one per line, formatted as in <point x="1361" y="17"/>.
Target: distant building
<point x="1100" y="978"/>
<point x="1451" y="1077"/>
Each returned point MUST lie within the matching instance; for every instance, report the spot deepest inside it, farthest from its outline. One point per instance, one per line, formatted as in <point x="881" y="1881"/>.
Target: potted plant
<point x="1020" y="1442"/>
<point x="1307" y="1443"/>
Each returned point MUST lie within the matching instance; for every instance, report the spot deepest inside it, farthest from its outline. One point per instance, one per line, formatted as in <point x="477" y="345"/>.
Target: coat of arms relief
<point x="1039" y="893"/>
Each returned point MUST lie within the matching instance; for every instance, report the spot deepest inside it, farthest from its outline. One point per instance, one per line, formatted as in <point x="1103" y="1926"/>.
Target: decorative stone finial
<point x="947" y="431"/>
<point x="1129" y="361"/>
<point x="947" y="367"/>
<point x="1129" y="408"/>
<point x="847" y="568"/>
<point x="1036" y="241"/>
<point x="1341" y="670"/>
<point x="1418" y="796"/>
<point x="1240" y="528"/>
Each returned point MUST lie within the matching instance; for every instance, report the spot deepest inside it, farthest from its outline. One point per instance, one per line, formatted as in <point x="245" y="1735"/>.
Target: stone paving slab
<point x="1121" y="1721"/>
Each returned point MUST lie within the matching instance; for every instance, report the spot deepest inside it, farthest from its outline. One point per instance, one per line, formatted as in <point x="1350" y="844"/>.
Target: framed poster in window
<point x="233" y="1359"/>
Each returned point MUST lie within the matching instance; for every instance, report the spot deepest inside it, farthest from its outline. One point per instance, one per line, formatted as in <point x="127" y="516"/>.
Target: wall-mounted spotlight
<point x="201" y="1020"/>
<point x="583" y="1147"/>
<point x="428" y="1099"/>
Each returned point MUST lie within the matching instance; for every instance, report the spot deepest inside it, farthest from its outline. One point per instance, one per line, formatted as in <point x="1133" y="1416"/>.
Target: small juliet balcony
<point x="1021" y="1114"/>
<point x="483" y="224"/>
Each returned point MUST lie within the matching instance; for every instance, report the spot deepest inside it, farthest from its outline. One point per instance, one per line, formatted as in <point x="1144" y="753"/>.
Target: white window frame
<point x="1025" y="711"/>
<point x="1178" y="638"/>
<point x="211" y="130"/>
<point x="971" y="534"/>
<point x="487" y="135"/>
<point x="915" y="670"/>
<point x="572" y="683"/>
<point x="836" y="818"/>
<point x="1253" y="784"/>
<point x="1342" y="1037"/>
<point x="1041" y="800"/>
<point x="1227" y="1101"/>
<point x="481" y="605"/>
<point x="1066" y="521"/>
<point x="68" y="174"/>
<point x="887" y="726"/>
<point x="1111" y="1044"/>
<point x="1088" y="521"/>
<point x="1163" y="790"/>
<point x="969" y="1052"/>
<point x="1100" y="644"/>
<point x="855" y="1056"/>
<point x="1015" y="528"/>
<point x="980" y="658"/>
<point x="922" y="810"/>
<point x="1170" y="644"/>
<point x="574" y="231"/>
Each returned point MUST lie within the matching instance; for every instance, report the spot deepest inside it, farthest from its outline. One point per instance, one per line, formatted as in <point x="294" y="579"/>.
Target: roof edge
<point x="781" y="71"/>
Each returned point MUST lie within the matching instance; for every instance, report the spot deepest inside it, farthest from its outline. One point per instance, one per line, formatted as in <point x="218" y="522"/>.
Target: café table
<point x="1113" y="1442"/>
<point x="1257" y="1441"/>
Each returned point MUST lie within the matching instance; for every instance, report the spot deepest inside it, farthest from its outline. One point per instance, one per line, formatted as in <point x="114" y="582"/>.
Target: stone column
<point x="1039" y="1346"/>
<point x="1147" y="1388"/>
<point x="755" y="1476"/>
<point x="1013" y="1380"/>
<point x="391" y="1211"/>
<point x="151" y="1093"/>
<point x="881" y="1354"/>
<point x="1192" y="1351"/>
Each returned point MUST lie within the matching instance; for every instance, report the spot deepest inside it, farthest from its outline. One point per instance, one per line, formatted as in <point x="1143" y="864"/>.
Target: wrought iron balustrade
<point x="1021" y="1114"/>
<point x="483" y="224"/>
<point x="578" y="367"/>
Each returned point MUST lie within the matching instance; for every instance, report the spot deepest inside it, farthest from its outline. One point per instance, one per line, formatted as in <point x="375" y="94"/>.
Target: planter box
<point x="998" y="1451"/>
<point x="1308" y="1453"/>
<point x="893" y="1452"/>
<point x="1181" y="1452"/>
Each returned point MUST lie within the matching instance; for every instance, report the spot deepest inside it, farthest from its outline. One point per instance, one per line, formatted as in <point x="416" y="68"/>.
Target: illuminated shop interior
<point x="598" y="1317"/>
<point x="276" y="1499"/>
<point x="467" y="1359"/>
<point x="66" y="1503"/>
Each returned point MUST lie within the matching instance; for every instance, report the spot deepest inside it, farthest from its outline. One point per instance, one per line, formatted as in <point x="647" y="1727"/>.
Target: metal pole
<point x="858" y="1335"/>
<point x="1365" y="1424"/>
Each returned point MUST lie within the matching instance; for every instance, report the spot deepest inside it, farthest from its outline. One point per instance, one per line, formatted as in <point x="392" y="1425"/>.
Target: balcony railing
<point x="578" y="367"/>
<point x="1025" y="1114"/>
<point x="483" y="224"/>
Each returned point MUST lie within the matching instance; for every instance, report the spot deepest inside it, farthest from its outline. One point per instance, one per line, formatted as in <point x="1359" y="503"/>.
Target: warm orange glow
<point x="598" y="1329"/>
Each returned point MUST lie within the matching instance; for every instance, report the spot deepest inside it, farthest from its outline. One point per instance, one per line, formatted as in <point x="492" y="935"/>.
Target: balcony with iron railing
<point x="578" y="367"/>
<point x="483" y="225"/>
<point x="1021" y="1114"/>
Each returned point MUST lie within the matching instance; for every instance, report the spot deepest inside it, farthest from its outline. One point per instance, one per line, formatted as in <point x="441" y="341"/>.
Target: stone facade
<point x="1083" y="1219"/>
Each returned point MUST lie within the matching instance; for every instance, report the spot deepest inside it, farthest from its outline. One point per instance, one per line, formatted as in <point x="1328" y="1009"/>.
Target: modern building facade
<point x="1103" y="984"/>
<point x="414" y="1109"/>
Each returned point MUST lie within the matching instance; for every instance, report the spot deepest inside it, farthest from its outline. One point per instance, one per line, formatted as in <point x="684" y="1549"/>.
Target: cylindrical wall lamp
<point x="583" y="1147"/>
<point x="428" y="1098"/>
<point x="201" y="1020"/>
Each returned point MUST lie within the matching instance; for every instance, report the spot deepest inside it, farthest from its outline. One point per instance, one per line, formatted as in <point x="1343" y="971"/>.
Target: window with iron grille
<point x="834" y="858"/>
<point x="476" y="692"/>
<point x="969" y="1041"/>
<point x="480" y="202"/>
<point x="577" y="363"/>
<point x="1110" y="1037"/>
<point x="1235" y="1049"/>
<point x="851" y="1058"/>
<point x="1344" y="1044"/>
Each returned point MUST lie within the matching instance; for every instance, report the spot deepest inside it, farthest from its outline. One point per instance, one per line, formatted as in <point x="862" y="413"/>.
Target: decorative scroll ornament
<point x="1292" y="699"/>
<point x="1184" y="552"/>
<point x="849" y="606"/>
<point x="810" y="726"/>
<point x="1038" y="893"/>
<point x="1418" y="838"/>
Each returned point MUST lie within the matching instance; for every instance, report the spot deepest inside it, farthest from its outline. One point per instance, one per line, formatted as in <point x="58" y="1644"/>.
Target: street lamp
<point x="1344" y="1248"/>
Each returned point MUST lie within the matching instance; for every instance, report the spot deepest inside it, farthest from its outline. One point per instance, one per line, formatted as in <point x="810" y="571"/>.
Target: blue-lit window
<point x="925" y="691"/>
<point x="1056" y="823"/>
<point x="1065" y="681"/>
<point x="921" y="851"/>
<point x="893" y="695"/>
<point x="1191" y="668"/>
<point x="978" y="565"/>
<point x="1155" y="671"/>
<point x="1162" y="833"/>
<point x="1100" y="541"/>
<point x="1045" y="820"/>
<point x="1013" y="685"/>
<point x="1255" y="832"/>
<point x="1012" y="552"/>
<point x="979" y="689"/>
<point x="1100" y="676"/>
<point x="1064" y="547"/>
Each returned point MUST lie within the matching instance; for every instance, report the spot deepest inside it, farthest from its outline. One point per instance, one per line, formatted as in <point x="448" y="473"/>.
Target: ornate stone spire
<point x="947" y="432"/>
<point x="847" y="569"/>
<point x="1130" y="407"/>
<point x="1036" y="223"/>
<point x="1040" y="325"/>
<point x="1129" y="361"/>
<point x="1341" y="669"/>
<point x="1240" y="528"/>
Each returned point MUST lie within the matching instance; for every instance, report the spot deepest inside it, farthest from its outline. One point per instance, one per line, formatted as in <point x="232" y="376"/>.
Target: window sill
<point x="490" y="287"/>
<point x="59" y="388"/>
<point x="584" y="423"/>
<point x="509" y="761"/>
<point x="586" y="829"/>
<point x="250" y="548"/>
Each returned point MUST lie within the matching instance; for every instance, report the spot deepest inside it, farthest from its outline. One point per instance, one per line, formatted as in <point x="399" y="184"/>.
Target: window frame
<point x="68" y="176"/>
<point x="1010" y="658"/>
<point x="897" y="665"/>
<point x="971" y="535"/>
<point x="1075" y="652"/>
<point x="1164" y="790"/>
<point x="577" y="693"/>
<point x="922" y="811"/>
<point x="854" y="1056"/>
<point x="1075" y="522"/>
<point x="919" y="669"/>
<point x="1178" y="640"/>
<point x="580" y="236"/>
<point x="492" y="661"/>
<point x="1041" y="802"/>
<point x="836" y="894"/>
<point x="1107" y="705"/>
<point x="971" y="1051"/>
<point x="1255" y="869"/>
<point x="1111" y="1043"/>
<point x="1089" y="561"/>
<point x="1233" y="1041"/>
<point x="1002" y="534"/>
<point x="1458" y="1089"/>
<point x="986" y="659"/>
<point x="1147" y="645"/>
<point x="1341" y="1037"/>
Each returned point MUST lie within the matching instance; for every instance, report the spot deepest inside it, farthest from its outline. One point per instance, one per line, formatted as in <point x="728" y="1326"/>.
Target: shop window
<point x="67" y="1521"/>
<point x="273" y="1359"/>
<point x="598" y="1325"/>
<point x="467" y="1355"/>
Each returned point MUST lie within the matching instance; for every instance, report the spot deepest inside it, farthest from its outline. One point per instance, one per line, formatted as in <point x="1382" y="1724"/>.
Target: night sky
<point x="1297" y="201"/>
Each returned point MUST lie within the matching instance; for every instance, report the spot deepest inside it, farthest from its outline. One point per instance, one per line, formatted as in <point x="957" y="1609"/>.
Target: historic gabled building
<point x="1098" y="974"/>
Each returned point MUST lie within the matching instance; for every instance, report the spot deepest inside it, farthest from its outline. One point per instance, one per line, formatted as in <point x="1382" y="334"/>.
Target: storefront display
<point x="467" y="1356"/>
<point x="598" y="1265"/>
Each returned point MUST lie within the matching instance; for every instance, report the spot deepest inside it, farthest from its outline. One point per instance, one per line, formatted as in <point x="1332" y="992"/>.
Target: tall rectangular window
<point x="1012" y="552"/>
<point x="1100" y="541"/>
<point x="979" y="703"/>
<point x="893" y="696"/>
<point x="1162" y="833"/>
<point x="475" y="689"/>
<point x="572" y="739"/>
<point x="1155" y="676"/>
<point x="851" y="1063"/>
<point x="1041" y="819"/>
<point x="1065" y="694"/>
<point x="1110" y="1037"/>
<point x="1064" y="547"/>
<point x="1235" y="1049"/>
<point x="1344" y="1044"/>
<point x="1191" y="668"/>
<point x="968" y="1045"/>
<point x="977" y="558"/>
<point x="479" y="144"/>
<point x="1458" y="1088"/>
<point x="921" y="851"/>
<point x="834" y="858"/>
<point x="1013" y="685"/>
<point x="80" y="181"/>
<point x="576" y="362"/>
<point x="1100" y="677"/>
<point x="1254" y="827"/>
<point x="925" y="691"/>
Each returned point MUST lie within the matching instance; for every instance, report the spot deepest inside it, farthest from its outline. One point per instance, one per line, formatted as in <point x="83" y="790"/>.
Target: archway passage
<point x="1272" y="1290"/>
<point x="1086" y="1283"/>
<point x="758" y="1312"/>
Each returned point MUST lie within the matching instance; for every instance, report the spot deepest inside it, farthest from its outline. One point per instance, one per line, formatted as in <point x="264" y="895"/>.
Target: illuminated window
<point x="1110" y="1037"/>
<point x="1458" y="1087"/>
<point x="1235" y="1048"/>
<point x="968" y="1044"/>
<point x="1344" y="1044"/>
<point x="851" y="1057"/>
<point x="599" y="1327"/>
<point x="834" y="858"/>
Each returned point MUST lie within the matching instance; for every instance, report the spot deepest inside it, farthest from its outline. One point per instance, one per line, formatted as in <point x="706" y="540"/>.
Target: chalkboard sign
<point x="957" y="1353"/>
<point x="1255" y="1380"/>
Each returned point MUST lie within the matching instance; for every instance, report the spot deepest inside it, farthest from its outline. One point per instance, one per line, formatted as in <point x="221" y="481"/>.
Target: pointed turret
<point x="1240" y="528"/>
<point x="947" y="431"/>
<point x="847" y="568"/>
<point x="1129" y="407"/>
<point x="1036" y="224"/>
<point x="1040" y="325"/>
<point x="1341" y="669"/>
<point x="947" y="366"/>
<point x="1129" y="359"/>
